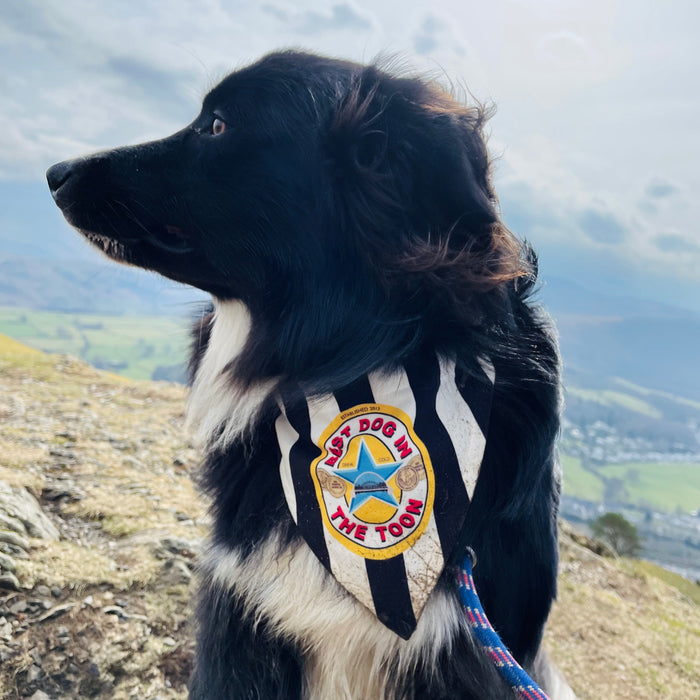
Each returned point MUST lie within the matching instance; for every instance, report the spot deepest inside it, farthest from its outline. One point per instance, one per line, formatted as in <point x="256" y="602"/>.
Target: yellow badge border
<point x="408" y="542"/>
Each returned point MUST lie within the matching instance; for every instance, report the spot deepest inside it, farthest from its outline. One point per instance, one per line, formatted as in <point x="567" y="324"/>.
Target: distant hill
<point x="654" y="351"/>
<point x="645" y="342"/>
<point x="92" y="286"/>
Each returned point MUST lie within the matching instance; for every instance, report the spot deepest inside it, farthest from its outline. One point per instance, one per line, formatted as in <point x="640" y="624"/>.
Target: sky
<point x="595" y="140"/>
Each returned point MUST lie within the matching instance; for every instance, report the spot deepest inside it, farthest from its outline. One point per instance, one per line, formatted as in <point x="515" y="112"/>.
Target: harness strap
<point x="507" y="666"/>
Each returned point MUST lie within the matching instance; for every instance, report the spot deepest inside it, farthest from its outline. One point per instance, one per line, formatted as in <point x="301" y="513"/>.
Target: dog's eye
<point x="218" y="126"/>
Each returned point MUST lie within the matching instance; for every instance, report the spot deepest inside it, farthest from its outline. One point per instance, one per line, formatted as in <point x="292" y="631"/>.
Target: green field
<point x="134" y="346"/>
<point x="658" y="486"/>
<point x="580" y="483"/>
<point x="663" y="486"/>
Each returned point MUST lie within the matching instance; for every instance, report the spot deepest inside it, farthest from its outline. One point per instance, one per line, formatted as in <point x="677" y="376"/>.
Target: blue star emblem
<point x="369" y="480"/>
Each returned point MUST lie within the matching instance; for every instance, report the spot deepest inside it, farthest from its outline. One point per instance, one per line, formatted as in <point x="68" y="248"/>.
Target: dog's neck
<point x="221" y="409"/>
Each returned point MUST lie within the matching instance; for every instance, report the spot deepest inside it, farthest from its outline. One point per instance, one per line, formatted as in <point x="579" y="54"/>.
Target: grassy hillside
<point x="104" y="610"/>
<point x="624" y="629"/>
<point x="134" y="346"/>
<point x="626" y="444"/>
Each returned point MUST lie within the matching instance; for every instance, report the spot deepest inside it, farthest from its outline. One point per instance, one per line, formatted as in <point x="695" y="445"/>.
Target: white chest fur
<point x="349" y="654"/>
<point x="218" y="409"/>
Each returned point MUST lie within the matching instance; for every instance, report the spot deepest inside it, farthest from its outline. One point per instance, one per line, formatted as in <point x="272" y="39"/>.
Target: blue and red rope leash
<point x="507" y="666"/>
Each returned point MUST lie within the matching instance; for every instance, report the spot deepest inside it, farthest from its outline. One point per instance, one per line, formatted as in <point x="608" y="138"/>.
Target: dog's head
<point x="310" y="186"/>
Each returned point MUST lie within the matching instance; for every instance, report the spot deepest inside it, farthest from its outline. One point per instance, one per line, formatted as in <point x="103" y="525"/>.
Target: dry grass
<point x="111" y="444"/>
<point x="619" y="631"/>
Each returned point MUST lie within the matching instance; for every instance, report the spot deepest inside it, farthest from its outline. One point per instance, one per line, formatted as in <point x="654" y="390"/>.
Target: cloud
<point x="660" y="189"/>
<point x="26" y="24"/>
<point x="149" y="81"/>
<point x="675" y="243"/>
<point x="342" y="17"/>
<point x="277" y="12"/>
<point x="578" y="97"/>
<point x="601" y="226"/>
<point x="426" y="40"/>
<point x="436" y="34"/>
<point x="530" y="214"/>
<point x="564" y="49"/>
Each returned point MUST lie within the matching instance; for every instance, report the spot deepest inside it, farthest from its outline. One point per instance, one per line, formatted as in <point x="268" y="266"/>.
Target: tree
<point x="618" y="532"/>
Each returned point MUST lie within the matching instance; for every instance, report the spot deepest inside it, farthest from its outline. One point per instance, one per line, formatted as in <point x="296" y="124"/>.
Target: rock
<point x="12" y="407"/>
<point x="12" y="551"/>
<point x="33" y="674"/>
<point x="175" y="572"/>
<point x="132" y="462"/>
<point x="63" y="492"/>
<point x="56" y="612"/>
<point x="14" y="539"/>
<point x="5" y="629"/>
<point x="17" y="503"/>
<point x="181" y="546"/>
<point x="9" y="582"/>
<point x="92" y="685"/>
<point x="56" y="592"/>
<point x="19" y="607"/>
<point x="7" y="522"/>
<point x="42" y="591"/>
<point x="6" y="563"/>
<point x="115" y="610"/>
<point x="63" y="454"/>
<point x="40" y="695"/>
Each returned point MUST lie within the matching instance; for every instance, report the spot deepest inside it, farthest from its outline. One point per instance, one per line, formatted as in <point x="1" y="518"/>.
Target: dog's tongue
<point x="378" y="477"/>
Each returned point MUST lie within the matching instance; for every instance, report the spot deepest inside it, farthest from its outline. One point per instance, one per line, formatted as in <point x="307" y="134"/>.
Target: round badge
<point x="374" y="481"/>
<point x="406" y="478"/>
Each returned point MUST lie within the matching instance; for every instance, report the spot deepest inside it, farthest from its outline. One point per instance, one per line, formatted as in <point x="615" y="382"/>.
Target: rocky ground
<point x="100" y="526"/>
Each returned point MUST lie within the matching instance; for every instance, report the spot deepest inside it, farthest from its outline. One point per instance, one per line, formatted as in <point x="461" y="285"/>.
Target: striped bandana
<point x="378" y="477"/>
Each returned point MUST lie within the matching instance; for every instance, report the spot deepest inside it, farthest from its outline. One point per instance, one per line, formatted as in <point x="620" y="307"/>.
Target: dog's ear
<point x="412" y="174"/>
<point x="416" y="134"/>
<point x="359" y="135"/>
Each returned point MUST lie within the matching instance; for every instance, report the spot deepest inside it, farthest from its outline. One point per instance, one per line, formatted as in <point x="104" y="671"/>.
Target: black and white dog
<point x="370" y="352"/>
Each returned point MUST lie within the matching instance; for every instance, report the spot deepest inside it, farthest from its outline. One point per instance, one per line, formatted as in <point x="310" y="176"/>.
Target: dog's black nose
<point x="58" y="174"/>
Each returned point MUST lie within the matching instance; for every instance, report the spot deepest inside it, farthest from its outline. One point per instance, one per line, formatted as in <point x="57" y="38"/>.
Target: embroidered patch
<point x="374" y="481"/>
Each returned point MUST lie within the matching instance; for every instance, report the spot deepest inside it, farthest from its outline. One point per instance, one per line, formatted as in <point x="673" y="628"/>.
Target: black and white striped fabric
<point x="378" y="477"/>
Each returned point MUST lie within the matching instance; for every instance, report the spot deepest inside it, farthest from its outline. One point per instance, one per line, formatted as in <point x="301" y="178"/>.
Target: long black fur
<point x="351" y="210"/>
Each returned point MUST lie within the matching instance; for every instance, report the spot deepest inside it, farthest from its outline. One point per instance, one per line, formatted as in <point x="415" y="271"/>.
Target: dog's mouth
<point x="165" y="238"/>
<point x="115" y="223"/>
<point x="168" y="238"/>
